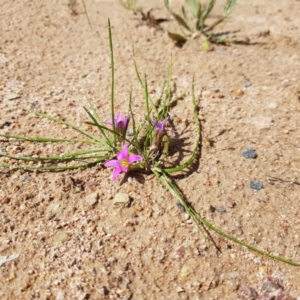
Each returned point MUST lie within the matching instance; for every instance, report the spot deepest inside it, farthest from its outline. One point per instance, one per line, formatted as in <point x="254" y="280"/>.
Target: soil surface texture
<point x="62" y="236"/>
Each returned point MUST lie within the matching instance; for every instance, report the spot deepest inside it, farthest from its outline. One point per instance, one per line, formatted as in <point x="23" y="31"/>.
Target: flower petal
<point x="123" y="154"/>
<point x="112" y="163"/>
<point x="116" y="173"/>
<point x="132" y="158"/>
<point x="158" y="125"/>
<point x="125" y="169"/>
<point x="118" y="119"/>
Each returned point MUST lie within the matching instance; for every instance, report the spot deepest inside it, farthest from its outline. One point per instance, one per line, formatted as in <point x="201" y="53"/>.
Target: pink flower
<point x="158" y="133"/>
<point x="159" y="126"/>
<point x="121" y="164"/>
<point x="121" y="122"/>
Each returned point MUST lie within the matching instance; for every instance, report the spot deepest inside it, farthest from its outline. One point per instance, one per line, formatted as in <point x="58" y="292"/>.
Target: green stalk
<point x="72" y="167"/>
<point x="162" y="176"/>
<point x="97" y="117"/>
<point x="112" y="99"/>
<point x="86" y="13"/>
<point x="44" y="140"/>
<point x="60" y="158"/>
<point x="197" y="143"/>
<point x="100" y="127"/>
<point x="91" y="136"/>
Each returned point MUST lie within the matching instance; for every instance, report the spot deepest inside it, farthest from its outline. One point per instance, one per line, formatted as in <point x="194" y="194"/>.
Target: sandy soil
<point x="70" y="244"/>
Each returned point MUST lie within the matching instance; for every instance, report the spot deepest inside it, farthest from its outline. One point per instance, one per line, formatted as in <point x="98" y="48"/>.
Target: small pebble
<point x="234" y="274"/>
<point x="249" y="153"/>
<point x="92" y="199"/>
<point x="221" y="209"/>
<point x="230" y="203"/>
<point x="2" y="148"/>
<point x="26" y="177"/>
<point x="60" y="237"/>
<point x="186" y="217"/>
<point x="256" y="185"/>
<point x="272" y="105"/>
<point x="212" y="208"/>
<point x="130" y="133"/>
<point x="180" y="206"/>
<point x="121" y="199"/>
<point x="4" y="124"/>
<point x="247" y="83"/>
<point x="11" y="96"/>
<point x="5" y="259"/>
<point x="172" y="116"/>
<point x="179" y="289"/>
<point x="237" y="94"/>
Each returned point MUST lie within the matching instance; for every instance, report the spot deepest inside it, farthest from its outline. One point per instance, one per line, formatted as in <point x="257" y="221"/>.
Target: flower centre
<point x="124" y="163"/>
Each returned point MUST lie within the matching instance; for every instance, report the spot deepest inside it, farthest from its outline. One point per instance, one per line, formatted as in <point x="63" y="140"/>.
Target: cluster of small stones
<point x="271" y="290"/>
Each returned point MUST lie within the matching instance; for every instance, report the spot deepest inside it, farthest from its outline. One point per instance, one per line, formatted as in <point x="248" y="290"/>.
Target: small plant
<point x="271" y="290"/>
<point x="199" y="14"/>
<point x="144" y="149"/>
<point x="129" y="4"/>
<point x="148" y="19"/>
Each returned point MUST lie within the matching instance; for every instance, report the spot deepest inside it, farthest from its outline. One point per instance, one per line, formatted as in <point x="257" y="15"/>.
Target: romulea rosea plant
<point x="143" y="148"/>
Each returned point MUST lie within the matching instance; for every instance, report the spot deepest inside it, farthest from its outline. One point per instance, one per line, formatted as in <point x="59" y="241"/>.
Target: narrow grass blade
<point x="197" y="142"/>
<point x="100" y="127"/>
<point x="195" y="216"/>
<point x="184" y="13"/>
<point x="80" y="155"/>
<point x="229" y="6"/>
<point x="193" y="5"/>
<point x="86" y="13"/>
<point x="198" y="17"/>
<point x="176" y="37"/>
<point x="94" y="112"/>
<point x="167" y="3"/>
<point x="54" y="168"/>
<point x="94" y="116"/>
<point x="112" y="98"/>
<point x="206" y="12"/>
<point x="163" y="113"/>
<point x="91" y="136"/>
<point x="135" y="132"/>
<point x="44" y="140"/>
<point x="212" y="26"/>
<point x="181" y="21"/>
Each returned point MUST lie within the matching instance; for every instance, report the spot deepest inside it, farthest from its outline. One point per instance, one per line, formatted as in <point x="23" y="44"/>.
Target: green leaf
<point x="167" y="3"/>
<point x="206" y="12"/>
<point x="197" y="142"/>
<point x="91" y="136"/>
<point x="170" y="185"/>
<point x="86" y="13"/>
<point x="229" y="6"/>
<point x="193" y="6"/>
<point x="181" y="22"/>
<point x="198" y="17"/>
<point x="44" y="139"/>
<point x="177" y="37"/>
<point x="184" y="13"/>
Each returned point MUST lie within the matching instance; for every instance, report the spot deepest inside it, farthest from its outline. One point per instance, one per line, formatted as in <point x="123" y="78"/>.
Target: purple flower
<point x="121" y="122"/>
<point x="121" y="164"/>
<point x="158" y="133"/>
<point x="159" y="126"/>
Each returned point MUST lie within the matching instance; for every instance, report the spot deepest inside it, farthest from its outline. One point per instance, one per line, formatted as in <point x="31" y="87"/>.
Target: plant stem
<point x="112" y="99"/>
<point x="162" y="176"/>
